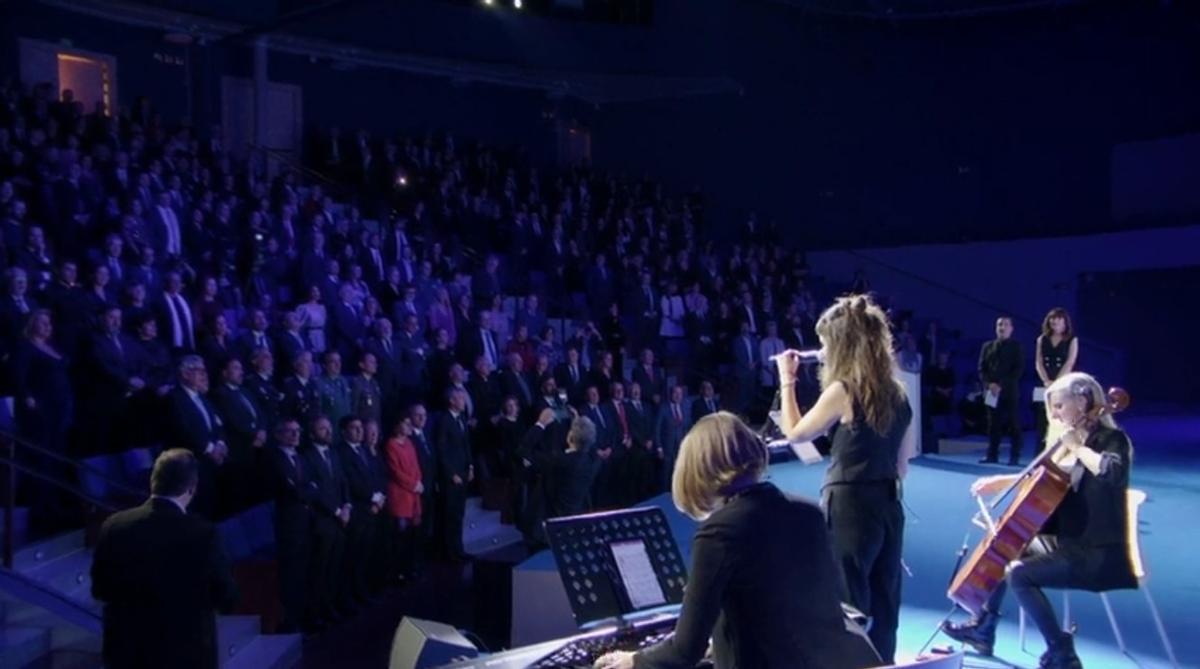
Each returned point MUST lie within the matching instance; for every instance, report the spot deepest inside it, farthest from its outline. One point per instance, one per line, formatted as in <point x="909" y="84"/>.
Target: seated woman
<point x="763" y="584"/>
<point x="1090" y="527"/>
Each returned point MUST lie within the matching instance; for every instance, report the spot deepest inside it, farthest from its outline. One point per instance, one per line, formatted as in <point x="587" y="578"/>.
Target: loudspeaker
<point x="422" y="644"/>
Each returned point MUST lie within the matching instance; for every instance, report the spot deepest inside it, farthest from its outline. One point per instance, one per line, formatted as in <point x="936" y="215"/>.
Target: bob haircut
<point x="718" y="454"/>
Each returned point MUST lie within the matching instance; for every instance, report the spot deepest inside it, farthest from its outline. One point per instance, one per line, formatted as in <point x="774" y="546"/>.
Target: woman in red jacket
<point x="404" y="490"/>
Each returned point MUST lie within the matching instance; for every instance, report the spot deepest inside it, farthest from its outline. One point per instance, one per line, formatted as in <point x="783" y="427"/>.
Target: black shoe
<point x="1061" y="655"/>
<point x="979" y="633"/>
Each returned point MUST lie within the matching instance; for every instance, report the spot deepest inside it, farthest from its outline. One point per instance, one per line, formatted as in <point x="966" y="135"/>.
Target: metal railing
<point x="13" y="464"/>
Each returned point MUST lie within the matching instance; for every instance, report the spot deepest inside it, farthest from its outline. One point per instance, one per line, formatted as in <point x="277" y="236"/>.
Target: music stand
<point x="588" y="548"/>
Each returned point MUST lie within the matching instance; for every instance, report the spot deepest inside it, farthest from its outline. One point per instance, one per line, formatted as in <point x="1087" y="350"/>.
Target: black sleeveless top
<point x="1054" y="357"/>
<point x="862" y="455"/>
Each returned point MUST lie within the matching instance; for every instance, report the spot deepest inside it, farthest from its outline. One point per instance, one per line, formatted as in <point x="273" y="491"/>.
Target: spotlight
<point x="517" y="4"/>
<point x="488" y="3"/>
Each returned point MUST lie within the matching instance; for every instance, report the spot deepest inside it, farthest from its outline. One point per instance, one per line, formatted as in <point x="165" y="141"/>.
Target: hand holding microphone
<point x="790" y="360"/>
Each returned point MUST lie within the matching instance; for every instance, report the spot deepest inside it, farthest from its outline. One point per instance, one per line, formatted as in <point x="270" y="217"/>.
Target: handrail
<point x="1092" y="344"/>
<point x="65" y="459"/>
<point x="10" y="461"/>
<point x="296" y="164"/>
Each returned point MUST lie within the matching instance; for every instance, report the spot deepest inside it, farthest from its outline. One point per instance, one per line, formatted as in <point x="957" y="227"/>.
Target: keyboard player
<point x="763" y="584"/>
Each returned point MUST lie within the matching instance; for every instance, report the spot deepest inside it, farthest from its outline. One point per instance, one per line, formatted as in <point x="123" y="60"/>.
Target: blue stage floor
<point x="1166" y="466"/>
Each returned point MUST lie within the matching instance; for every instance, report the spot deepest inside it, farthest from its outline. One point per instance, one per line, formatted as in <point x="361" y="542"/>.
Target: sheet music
<point x="637" y="574"/>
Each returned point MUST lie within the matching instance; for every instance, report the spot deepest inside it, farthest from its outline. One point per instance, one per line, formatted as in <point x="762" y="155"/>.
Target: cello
<point x="1039" y="489"/>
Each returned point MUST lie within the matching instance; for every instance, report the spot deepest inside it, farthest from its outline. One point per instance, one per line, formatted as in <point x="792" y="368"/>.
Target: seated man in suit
<point x="158" y="548"/>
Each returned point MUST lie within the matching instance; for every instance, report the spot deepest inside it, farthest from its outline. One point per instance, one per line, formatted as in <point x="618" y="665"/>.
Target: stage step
<point x="482" y="530"/>
<point x="268" y="651"/>
<point x="234" y="633"/>
<point x="48" y="550"/>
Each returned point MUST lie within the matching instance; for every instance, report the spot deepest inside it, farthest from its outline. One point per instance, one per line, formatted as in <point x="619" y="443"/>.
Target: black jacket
<point x="161" y="575"/>
<point x="764" y="585"/>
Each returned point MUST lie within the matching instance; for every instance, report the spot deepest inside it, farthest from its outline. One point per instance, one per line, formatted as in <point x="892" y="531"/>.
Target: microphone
<point x="807" y="356"/>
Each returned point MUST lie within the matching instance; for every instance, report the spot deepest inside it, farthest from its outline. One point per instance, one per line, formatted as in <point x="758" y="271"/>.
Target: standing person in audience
<point x="366" y="498"/>
<point x="1000" y="368"/>
<point x="159" y="549"/>
<point x="674" y="421"/>
<point x="746" y="366"/>
<point x="642" y="458"/>
<point x="455" y="472"/>
<point x="334" y="389"/>
<point x="707" y="402"/>
<point x="195" y="425"/>
<point x="861" y="492"/>
<point x="427" y="458"/>
<point x="175" y="318"/>
<point x="292" y="487"/>
<point x="1057" y="354"/>
<point x="259" y="384"/>
<point x="770" y="346"/>
<point x="246" y="435"/>
<point x="366" y="397"/>
<point x="382" y="564"/>
<point x="313" y="316"/>
<point x="300" y="396"/>
<point x="405" y="490"/>
<point x="331" y="511"/>
<point x="756" y="548"/>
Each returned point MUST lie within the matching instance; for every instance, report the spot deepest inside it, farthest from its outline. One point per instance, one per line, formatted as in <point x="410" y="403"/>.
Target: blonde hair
<point x="857" y="341"/>
<point x="718" y="453"/>
<point x="1078" y="384"/>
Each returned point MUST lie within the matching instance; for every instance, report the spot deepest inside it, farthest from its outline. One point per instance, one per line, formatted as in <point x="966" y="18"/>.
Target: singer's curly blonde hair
<point x="857" y="340"/>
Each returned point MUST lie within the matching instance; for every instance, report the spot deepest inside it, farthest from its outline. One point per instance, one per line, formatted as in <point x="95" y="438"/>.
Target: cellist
<point x="1084" y="544"/>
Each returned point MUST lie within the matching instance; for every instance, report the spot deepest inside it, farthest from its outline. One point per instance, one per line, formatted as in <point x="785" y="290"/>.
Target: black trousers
<point x="866" y="524"/>
<point x="359" y="549"/>
<point x="1075" y="568"/>
<point x="325" y="565"/>
<point x="293" y="545"/>
<point x="454" y="504"/>
<point x="1002" y="421"/>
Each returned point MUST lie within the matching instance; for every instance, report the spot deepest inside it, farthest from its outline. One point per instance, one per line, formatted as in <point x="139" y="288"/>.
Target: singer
<point x="1091" y="525"/>
<point x="867" y="409"/>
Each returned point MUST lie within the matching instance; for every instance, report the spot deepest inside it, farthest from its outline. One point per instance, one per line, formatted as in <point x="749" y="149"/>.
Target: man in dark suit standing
<point x="674" y="420"/>
<point x="345" y="327"/>
<point x="367" y="499"/>
<point x="601" y="448"/>
<point x="1000" y="367"/>
<point x="291" y="485"/>
<point x="247" y="434"/>
<point x="331" y="511"/>
<point x="427" y="458"/>
<point x="194" y="425"/>
<point x="569" y="376"/>
<point x="707" y="402"/>
<point x="455" y="472"/>
<point x="642" y="458"/>
<point x="158" y="549"/>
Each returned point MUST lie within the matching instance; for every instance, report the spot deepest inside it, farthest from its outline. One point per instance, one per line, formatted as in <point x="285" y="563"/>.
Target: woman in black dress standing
<point x="44" y="405"/>
<point x="1056" y="354"/>
<point x="869" y="413"/>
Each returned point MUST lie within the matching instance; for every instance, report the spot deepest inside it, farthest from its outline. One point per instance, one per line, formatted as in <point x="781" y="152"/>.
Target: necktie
<point x="709" y="402"/>
<point x="678" y="414"/>
<point x="116" y="339"/>
<point x="387" y="347"/>
<point x="637" y="404"/>
<point x="621" y="417"/>
<point x="203" y="411"/>
<point x="246" y="403"/>
<point x="574" y="375"/>
<point x="420" y="439"/>
<point x="185" y="320"/>
<point x="21" y="306"/>
<point x="115" y="268"/>
<point x="291" y="456"/>
<point x="489" y="346"/>
<point x="325" y="456"/>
